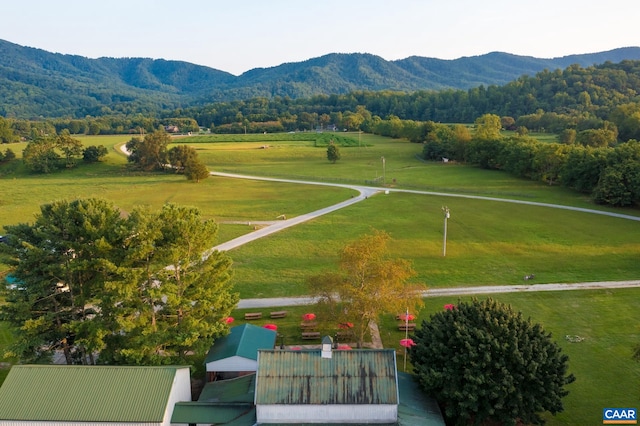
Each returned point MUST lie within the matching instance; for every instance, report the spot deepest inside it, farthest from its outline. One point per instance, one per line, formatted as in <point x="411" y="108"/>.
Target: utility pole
<point x="445" y="210"/>
<point x="383" y="170"/>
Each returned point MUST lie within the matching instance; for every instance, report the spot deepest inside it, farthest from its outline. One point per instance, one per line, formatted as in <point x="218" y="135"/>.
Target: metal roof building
<point x="327" y="386"/>
<point x="237" y="353"/>
<point x="92" y="395"/>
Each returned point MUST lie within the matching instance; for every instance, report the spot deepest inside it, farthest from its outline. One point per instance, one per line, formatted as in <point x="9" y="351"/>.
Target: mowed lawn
<point x="488" y="242"/>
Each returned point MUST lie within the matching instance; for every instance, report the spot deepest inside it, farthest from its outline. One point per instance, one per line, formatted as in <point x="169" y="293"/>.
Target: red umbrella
<point x="309" y="317"/>
<point x="407" y="317"/>
<point x="270" y="326"/>
<point x="344" y="347"/>
<point x="449" y="307"/>
<point x="407" y="343"/>
<point x="344" y="325"/>
<point x="295" y="348"/>
<point x="229" y="320"/>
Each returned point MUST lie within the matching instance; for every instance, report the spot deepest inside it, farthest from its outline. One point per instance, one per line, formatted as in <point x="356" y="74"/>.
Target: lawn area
<point x="488" y="242"/>
<point x="361" y="164"/>
<point x="606" y="320"/>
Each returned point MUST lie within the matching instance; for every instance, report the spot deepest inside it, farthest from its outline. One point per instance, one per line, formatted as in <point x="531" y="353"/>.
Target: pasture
<point x="489" y="242"/>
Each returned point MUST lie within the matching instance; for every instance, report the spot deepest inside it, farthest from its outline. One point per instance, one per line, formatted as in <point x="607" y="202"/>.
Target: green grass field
<point x="606" y="375"/>
<point x="488" y="242"/>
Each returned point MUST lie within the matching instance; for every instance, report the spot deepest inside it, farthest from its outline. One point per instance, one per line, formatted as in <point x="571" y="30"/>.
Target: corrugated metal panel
<point x="348" y="377"/>
<point x="86" y="393"/>
<point x="239" y="389"/>
<point x="205" y="413"/>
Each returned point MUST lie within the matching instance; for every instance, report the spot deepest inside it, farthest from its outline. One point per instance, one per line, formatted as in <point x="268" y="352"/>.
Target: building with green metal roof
<point x="237" y="353"/>
<point x="109" y="395"/>
<point x="224" y="402"/>
<point x="327" y="386"/>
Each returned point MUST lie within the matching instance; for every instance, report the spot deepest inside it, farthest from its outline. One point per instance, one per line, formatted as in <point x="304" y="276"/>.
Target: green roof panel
<point x="244" y="341"/>
<point x="86" y="393"/>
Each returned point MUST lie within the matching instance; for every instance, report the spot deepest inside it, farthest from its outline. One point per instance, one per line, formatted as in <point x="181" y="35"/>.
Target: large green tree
<point x="40" y="156"/>
<point x="367" y="284"/>
<point x="172" y="300"/>
<point x="60" y="263"/>
<point x="71" y="148"/>
<point x="196" y="170"/>
<point x="149" y="153"/>
<point x="179" y="156"/>
<point x="486" y="364"/>
<point x="487" y="127"/>
<point x="136" y="290"/>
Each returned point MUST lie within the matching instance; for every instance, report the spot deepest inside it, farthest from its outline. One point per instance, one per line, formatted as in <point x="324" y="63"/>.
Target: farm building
<point x="56" y="395"/>
<point x="236" y="354"/>
<point x="327" y="386"/>
<point x="221" y="402"/>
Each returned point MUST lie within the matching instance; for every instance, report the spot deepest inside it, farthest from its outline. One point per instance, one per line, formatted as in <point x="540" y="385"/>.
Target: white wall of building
<point x="180" y="392"/>
<point x="340" y="414"/>
<point x="233" y="363"/>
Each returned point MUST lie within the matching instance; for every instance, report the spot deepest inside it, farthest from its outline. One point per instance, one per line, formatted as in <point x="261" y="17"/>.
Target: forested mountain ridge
<point x="36" y="83"/>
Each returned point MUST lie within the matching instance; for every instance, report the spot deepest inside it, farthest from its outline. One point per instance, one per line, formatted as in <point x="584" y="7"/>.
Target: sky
<point x="238" y="35"/>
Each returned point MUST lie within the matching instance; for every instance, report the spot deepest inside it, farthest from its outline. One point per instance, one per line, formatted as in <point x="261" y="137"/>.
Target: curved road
<point x="364" y="193"/>
<point x="367" y="191"/>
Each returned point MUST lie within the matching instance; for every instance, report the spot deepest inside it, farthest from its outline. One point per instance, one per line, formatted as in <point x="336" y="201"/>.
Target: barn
<point x="236" y="353"/>
<point x="327" y="386"/>
<point x="60" y="395"/>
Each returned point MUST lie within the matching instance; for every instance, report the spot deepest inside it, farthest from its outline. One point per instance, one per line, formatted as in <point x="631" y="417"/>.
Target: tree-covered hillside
<point x="36" y="83"/>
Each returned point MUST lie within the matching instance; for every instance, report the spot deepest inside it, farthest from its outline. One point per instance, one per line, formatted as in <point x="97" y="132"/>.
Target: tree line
<point x="610" y="174"/>
<point x="551" y="101"/>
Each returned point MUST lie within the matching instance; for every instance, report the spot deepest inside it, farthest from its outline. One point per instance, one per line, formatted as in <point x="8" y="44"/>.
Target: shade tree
<point x="486" y="364"/>
<point x="368" y="282"/>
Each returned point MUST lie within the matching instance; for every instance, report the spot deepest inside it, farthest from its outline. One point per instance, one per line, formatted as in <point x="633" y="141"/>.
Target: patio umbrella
<point x="449" y="307"/>
<point x="270" y="326"/>
<point x="344" y="347"/>
<point x="345" y="325"/>
<point x="407" y="343"/>
<point x="309" y="317"/>
<point x="407" y="317"/>
<point x="229" y="320"/>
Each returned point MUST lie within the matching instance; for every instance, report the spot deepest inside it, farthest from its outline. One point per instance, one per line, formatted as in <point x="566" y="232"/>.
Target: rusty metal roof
<point x="362" y="376"/>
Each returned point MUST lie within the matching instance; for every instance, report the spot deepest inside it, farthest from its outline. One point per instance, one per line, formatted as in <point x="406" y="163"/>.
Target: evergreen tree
<point x="484" y="362"/>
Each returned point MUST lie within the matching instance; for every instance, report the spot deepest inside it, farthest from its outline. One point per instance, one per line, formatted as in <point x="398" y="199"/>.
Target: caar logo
<point x="619" y="416"/>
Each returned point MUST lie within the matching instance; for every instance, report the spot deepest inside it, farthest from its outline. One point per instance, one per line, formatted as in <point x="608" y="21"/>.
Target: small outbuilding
<point x="236" y="354"/>
<point x="57" y="395"/>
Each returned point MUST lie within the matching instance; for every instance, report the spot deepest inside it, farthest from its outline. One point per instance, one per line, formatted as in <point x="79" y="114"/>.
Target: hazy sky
<point x="238" y="35"/>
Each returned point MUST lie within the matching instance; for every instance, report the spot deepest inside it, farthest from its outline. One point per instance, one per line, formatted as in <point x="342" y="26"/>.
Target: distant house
<point x="236" y="354"/>
<point x="327" y="386"/>
<point x="57" y="395"/>
<point x="171" y="129"/>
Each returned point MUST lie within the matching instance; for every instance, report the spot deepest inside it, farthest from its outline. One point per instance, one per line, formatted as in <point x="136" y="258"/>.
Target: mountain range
<point x="36" y="83"/>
